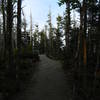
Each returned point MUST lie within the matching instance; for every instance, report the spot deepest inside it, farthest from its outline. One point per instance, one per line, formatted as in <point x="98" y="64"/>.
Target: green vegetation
<point x="75" y="44"/>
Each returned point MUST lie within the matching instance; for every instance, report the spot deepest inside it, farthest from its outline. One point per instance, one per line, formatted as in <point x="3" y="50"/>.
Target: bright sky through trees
<point x="40" y="9"/>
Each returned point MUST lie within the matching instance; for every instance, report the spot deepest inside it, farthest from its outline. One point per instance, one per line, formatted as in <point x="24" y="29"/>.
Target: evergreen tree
<point x="36" y="37"/>
<point x="50" y="33"/>
<point x="42" y="42"/>
<point x="67" y="26"/>
<point x="59" y="33"/>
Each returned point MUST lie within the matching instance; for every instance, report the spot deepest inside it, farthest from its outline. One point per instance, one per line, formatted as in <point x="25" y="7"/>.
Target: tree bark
<point x="19" y="25"/>
<point x="4" y="32"/>
<point x="67" y="28"/>
<point x="9" y="30"/>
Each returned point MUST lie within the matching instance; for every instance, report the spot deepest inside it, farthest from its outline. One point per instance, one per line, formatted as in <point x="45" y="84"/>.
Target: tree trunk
<point x="19" y="25"/>
<point x="9" y="29"/>
<point x="84" y="35"/>
<point x="5" y="42"/>
<point x="67" y="28"/>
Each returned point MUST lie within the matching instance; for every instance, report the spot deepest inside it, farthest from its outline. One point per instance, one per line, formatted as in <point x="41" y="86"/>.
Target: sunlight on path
<point x="50" y="82"/>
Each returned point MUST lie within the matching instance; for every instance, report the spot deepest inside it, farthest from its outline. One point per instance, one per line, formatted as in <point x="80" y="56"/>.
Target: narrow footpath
<point x="48" y="83"/>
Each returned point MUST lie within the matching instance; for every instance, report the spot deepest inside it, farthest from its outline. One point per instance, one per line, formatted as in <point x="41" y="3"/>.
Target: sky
<point x="40" y="10"/>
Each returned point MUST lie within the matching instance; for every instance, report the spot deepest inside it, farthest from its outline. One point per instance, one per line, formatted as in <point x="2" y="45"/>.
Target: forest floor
<point x="49" y="82"/>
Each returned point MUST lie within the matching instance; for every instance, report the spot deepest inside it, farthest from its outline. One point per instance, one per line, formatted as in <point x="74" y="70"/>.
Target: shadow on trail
<point x="47" y="83"/>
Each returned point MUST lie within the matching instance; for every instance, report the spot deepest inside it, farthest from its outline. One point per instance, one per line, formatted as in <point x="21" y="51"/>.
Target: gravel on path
<point x="48" y="82"/>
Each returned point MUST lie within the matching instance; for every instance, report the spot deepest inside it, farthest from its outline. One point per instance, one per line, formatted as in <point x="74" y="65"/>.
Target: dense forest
<point x="75" y="44"/>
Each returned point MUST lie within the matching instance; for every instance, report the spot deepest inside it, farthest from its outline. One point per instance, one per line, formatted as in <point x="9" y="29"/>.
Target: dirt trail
<point x="50" y="82"/>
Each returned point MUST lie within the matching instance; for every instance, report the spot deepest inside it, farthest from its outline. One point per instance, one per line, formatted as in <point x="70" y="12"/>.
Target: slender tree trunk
<point x="31" y="28"/>
<point x="45" y="43"/>
<point x="9" y="29"/>
<point x="86" y="68"/>
<point x="79" y="71"/>
<point x="67" y="28"/>
<point x="10" y="66"/>
<point x="83" y="50"/>
<point x="50" y="34"/>
<point x="19" y="25"/>
<point x="19" y="42"/>
<point x="5" y="43"/>
<point x="84" y="35"/>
